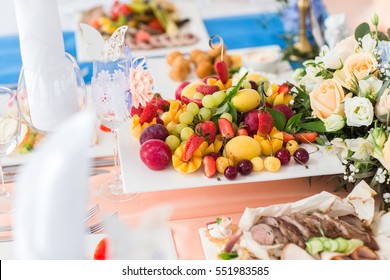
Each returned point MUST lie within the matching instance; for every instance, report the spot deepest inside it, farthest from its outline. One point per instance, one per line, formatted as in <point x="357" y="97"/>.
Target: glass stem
<point x="117" y="170"/>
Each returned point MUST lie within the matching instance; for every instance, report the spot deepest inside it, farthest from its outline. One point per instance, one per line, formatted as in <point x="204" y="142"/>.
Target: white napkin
<point x="51" y="194"/>
<point x="50" y="81"/>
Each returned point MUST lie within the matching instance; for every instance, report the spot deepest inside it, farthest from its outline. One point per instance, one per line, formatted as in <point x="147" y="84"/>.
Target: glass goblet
<point x="9" y="133"/>
<point x="111" y="95"/>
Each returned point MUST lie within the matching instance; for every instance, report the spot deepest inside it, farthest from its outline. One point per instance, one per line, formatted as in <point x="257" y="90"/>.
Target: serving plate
<point x="209" y="249"/>
<point x="185" y="10"/>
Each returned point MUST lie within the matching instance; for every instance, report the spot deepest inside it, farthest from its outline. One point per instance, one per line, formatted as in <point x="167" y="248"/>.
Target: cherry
<point x="283" y="155"/>
<point x="214" y="155"/>
<point x="244" y="167"/>
<point x="231" y="172"/>
<point x="301" y="156"/>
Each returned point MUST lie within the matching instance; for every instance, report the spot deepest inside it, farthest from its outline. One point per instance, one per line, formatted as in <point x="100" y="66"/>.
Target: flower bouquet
<point x="344" y="94"/>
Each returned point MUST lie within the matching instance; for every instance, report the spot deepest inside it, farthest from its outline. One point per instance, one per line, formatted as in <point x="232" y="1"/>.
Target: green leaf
<point x="320" y="141"/>
<point x="218" y="220"/>
<point x="362" y="30"/>
<point x="316" y="126"/>
<point x="228" y="256"/>
<point x="388" y="32"/>
<point x="278" y="117"/>
<point x="234" y="91"/>
<point x="382" y="90"/>
<point x="224" y="108"/>
<point x="382" y="36"/>
<point x="292" y="124"/>
<point x="233" y="112"/>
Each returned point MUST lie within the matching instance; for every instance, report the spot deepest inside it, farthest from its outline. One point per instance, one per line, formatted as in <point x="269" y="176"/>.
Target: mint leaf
<point x="228" y="256"/>
<point x="233" y="92"/>
<point x="218" y="220"/>
<point x="224" y="108"/>
<point x="233" y="112"/>
<point x="279" y="118"/>
<point x="316" y="126"/>
<point x="362" y="30"/>
<point x="292" y="124"/>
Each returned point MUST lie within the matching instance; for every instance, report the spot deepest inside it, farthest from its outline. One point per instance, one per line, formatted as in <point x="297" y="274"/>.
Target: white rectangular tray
<point x="185" y="10"/>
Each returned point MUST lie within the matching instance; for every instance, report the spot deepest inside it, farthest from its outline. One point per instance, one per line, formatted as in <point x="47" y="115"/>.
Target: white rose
<point x="334" y="59"/>
<point x="370" y="87"/>
<point x="382" y="107"/>
<point x="359" y="111"/>
<point x="368" y="44"/>
<point x="334" y="122"/>
<point x="310" y="80"/>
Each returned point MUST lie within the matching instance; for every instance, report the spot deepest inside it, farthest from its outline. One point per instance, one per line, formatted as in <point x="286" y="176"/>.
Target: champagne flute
<point x="111" y="96"/>
<point x="9" y="134"/>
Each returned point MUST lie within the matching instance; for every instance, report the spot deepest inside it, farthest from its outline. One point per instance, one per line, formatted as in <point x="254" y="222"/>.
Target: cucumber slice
<point x="314" y="246"/>
<point x="343" y="244"/>
<point x="331" y="245"/>
<point x="353" y="244"/>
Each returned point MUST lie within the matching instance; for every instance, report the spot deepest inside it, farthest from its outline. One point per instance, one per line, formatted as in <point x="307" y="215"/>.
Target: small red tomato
<point x="101" y="251"/>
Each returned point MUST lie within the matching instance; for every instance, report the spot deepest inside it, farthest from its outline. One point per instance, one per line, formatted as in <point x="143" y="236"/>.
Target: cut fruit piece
<point x="191" y="146"/>
<point x="190" y="89"/>
<point x="222" y="70"/>
<point x="266" y="123"/>
<point x="225" y="128"/>
<point x="287" y="137"/>
<point x="209" y="167"/>
<point x="186" y="167"/>
<point x="306" y="137"/>
<point x="207" y="89"/>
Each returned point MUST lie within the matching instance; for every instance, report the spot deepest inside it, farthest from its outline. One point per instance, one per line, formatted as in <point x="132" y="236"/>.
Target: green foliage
<point x="278" y="117"/>
<point x="316" y="126"/>
<point x="361" y="30"/>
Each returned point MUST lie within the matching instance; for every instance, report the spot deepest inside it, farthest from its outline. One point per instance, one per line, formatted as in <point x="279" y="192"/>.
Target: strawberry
<point x="209" y="166"/>
<point x="155" y="24"/>
<point x="136" y="111"/>
<point x="285" y="88"/>
<point x="208" y="130"/>
<point x="287" y="137"/>
<point x="162" y="104"/>
<point x="266" y="123"/>
<point x="101" y="250"/>
<point x="187" y="100"/>
<point x="242" y="131"/>
<point x="225" y="128"/>
<point x="207" y="89"/>
<point x="119" y="9"/>
<point x="306" y="137"/>
<point x="104" y="128"/>
<point x="191" y="145"/>
<point x="149" y="112"/>
<point x="222" y="70"/>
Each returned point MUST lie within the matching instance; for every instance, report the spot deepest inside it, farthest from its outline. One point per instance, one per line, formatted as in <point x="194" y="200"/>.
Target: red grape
<point x="214" y="155"/>
<point x="283" y="155"/>
<point x="301" y="156"/>
<point x="231" y="172"/>
<point x="245" y="167"/>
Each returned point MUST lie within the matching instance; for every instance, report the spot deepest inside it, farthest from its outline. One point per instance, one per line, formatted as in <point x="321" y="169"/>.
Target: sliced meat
<point x="263" y="234"/>
<point x="291" y="233"/>
<point x="300" y="227"/>
<point x="353" y="220"/>
<point x="331" y="228"/>
<point x="364" y="236"/>
<point x="271" y="221"/>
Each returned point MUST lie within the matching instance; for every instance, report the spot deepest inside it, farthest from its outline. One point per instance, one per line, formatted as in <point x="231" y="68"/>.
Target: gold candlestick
<point x="303" y="45"/>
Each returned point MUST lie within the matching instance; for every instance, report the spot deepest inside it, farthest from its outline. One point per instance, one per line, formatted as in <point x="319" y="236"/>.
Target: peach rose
<point x="327" y="99"/>
<point x="359" y="65"/>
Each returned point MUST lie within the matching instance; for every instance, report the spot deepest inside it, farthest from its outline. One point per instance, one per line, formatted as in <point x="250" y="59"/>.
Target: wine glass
<point x="48" y="98"/>
<point x="9" y="133"/>
<point x="111" y="98"/>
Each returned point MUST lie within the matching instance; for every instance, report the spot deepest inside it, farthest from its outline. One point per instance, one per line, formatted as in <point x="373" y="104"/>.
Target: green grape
<point x="208" y="101"/>
<point x="198" y="95"/>
<point x="186" y="133"/>
<point x="173" y="142"/>
<point x="219" y="97"/>
<point x="205" y="114"/>
<point x="178" y="128"/>
<point x="183" y="143"/>
<point x="246" y="84"/>
<point x="227" y="116"/>
<point x="186" y="118"/>
<point x="193" y="108"/>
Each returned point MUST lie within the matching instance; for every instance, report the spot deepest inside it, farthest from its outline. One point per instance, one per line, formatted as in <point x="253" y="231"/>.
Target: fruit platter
<point x="320" y="227"/>
<point x="154" y="26"/>
<point x="219" y="130"/>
